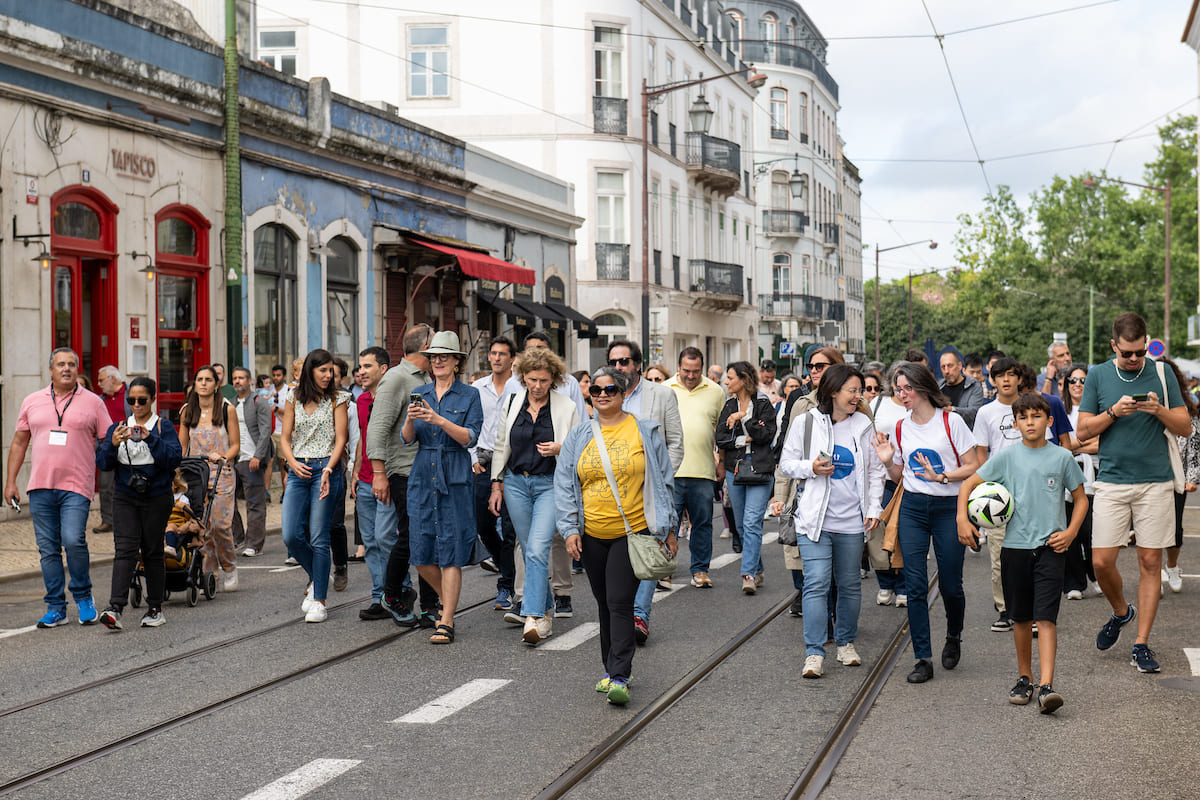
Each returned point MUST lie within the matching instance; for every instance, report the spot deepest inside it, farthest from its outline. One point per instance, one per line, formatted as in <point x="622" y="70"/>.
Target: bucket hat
<point x="444" y="342"/>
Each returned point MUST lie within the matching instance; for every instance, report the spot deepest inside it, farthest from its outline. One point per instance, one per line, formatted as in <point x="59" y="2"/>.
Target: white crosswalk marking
<point x="17" y="631"/>
<point x="725" y="560"/>
<point x="451" y="702"/>
<point x="1193" y="657"/>
<point x="311" y="776"/>
<point x="572" y="638"/>
<point x="675" y="587"/>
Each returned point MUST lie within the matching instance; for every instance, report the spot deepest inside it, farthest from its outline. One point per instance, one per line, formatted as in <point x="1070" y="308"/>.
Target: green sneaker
<point x="604" y="684"/>
<point x="618" y="691"/>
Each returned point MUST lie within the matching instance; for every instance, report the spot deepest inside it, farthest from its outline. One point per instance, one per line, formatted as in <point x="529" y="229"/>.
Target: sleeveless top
<point x="313" y="434"/>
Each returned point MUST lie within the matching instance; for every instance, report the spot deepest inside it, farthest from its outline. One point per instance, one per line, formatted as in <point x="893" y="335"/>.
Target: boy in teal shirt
<point x="1033" y="557"/>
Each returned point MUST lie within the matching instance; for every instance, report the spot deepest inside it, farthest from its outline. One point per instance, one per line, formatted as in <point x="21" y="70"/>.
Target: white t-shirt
<point x="887" y="415"/>
<point x="930" y="440"/>
<point x="248" y="445"/>
<point x="1086" y="461"/>
<point x="281" y="397"/>
<point x="844" y="512"/>
<point x="995" y="428"/>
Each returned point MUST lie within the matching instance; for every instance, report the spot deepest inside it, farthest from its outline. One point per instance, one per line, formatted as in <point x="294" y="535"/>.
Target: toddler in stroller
<point x="184" y="562"/>
<point x="182" y="526"/>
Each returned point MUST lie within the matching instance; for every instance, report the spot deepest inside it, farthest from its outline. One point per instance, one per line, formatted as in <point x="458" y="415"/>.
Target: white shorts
<point x="1147" y="508"/>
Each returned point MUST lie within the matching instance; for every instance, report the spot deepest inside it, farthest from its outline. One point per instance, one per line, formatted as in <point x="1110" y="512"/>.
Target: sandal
<point x="443" y="634"/>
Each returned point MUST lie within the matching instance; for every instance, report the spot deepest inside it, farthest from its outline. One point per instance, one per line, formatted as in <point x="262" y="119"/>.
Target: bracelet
<point x="1110" y="413"/>
<point x="328" y="470"/>
<point x="377" y="471"/>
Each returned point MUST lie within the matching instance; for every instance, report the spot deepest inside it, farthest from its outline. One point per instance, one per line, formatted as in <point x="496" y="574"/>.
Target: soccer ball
<point x="990" y="506"/>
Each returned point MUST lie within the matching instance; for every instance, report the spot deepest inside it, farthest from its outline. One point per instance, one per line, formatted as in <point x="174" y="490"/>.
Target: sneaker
<point x="429" y="617"/>
<point x="797" y="609"/>
<point x="1111" y="631"/>
<point x="663" y="585"/>
<point x="170" y="552"/>
<point x="1002" y="624"/>
<point x="737" y="544"/>
<point x="317" y="612"/>
<point x="52" y="619"/>
<point x="758" y="579"/>
<point x="504" y="600"/>
<point x="1174" y="578"/>
<point x="885" y="597"/>
<point x="1095" y="590"/>
<point x="641" y="629"/>
<point x="488" y="565"/>
<point x="1143" y="658"/>
<point x="1033" y="630"/>
<point x="307" y="602"/>
<point x="921" y="672"/>
<point x="604" y="683"/>
<point x="536" y="629"/>
<point x="901" y="601"/>
<point x="813" y="666"/>
<point x="1074" y="594"/>
<point x="513" y="615"/>
<point x="268" y="496"/>
<point x="111" y="618"/>
<point x="401" y="612"/>
<point x="229" y="583"/>
<point x="291" y="561"/>
<point x="105" y="527"/>
<point x="1049" y="700"/>
<point x="748" y="584"/>
<point x="725" y="534"/>
<point x="562" y="606"/>
<point x="249" y="552"/>
<point x="341" y="577"/>
<point x="951" y="652"/>
<point x="375" y="611"/>
<point x="153" y="618"/>
<point x="847" y="655"/>
<point x="87" y="611"/>
<point x="701" y="580"/>
<point x="618" y="691"/>
<point x="1022" y="693"/>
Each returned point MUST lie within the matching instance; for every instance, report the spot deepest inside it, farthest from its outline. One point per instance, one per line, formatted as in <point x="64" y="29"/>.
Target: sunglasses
<point x="1132" y="353"/>
<point x="624" y="362"/>
<point x="657" y="379"/>
<point x="1077" y="381"/>
<point x="139" y="401"/>
<point x="816" y="366"/>
<point x="611" y="390"/>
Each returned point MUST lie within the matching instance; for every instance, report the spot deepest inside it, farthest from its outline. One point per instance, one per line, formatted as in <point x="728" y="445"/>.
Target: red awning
<point x="479" y="265"/>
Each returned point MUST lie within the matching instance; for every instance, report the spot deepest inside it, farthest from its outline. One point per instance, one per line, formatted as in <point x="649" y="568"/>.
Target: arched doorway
<point x="182" y="327"/>
<point x="83" y="240"/>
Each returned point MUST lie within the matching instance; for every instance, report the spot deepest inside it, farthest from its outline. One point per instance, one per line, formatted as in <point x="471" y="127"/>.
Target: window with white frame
<point x="720" y="235"/>
<point x="802" y="100"/>
<point x="770" y="32"/>
<point x="779" y="114"/>
<point x="609" y="51"/>
<point x="735" y="31"/>
<point x="669" y="100"/>
<point x="429" y="61"/>
<point x="781" y="192"/>
<point x="651" y="62"/>
<point x="278" y="49"/>
<point x="781" y="274"/>
<point x="610" y="207"/>
<point x="708" y="226"/>
<point x="791" y="31"/>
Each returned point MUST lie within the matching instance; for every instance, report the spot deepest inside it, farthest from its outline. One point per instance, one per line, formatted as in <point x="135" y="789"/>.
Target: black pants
<point x="397" y="566"/>
<point x="500" y="547"/>
<point x="338" y="551"/>
<point x="1079" y="555"/>
<point x="138" y="525"/>
<point x="606" y="562"/>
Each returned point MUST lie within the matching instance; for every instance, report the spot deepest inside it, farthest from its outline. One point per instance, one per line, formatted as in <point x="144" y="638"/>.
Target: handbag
<point x="651" y="558"/>
<point x="1172" y="443"/>
<point x="884" y="545"/>
<point x="744" y="473"/>
<point x="787" y="519"/>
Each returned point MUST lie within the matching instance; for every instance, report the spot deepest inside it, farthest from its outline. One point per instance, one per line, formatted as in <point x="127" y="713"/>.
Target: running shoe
<point x="847" y="655"/>
<point x="618" y="691"/>
<point x="748" y="584"/>
<point x="153" y="618"/>
<point x="317" y="612"/>
<point x="1049" y="700"/>
<point x="52" y="619"/>
<point x="1143" y="658"/>
<point x="901" y="601"/>
<point x="701" y="580"/>
<point x="604" y="683"/>
<point x="1022" y="693"/>
<point x="1075" y="594"/>
<point x="87" y="611"/>
<point x="401" y="613"/>
<point x="562" y="606"/>
<point x="885" y="597"/>
<point x="111" y="618"/>
<point x="504" y="600"/>
<point x="1174" y="578"/>
<point x="1111" y="632"/>
<point x="813" y="666"/>
<point x="641" y="630"/>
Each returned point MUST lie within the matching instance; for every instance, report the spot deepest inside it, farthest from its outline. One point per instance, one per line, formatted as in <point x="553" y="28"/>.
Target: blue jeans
<point x="59" y="520"/>
<point x="835" y="555"/>
<point x="694" y="495"/>
<point x="306" y="521"/>
<point x="377" y="526"/>
<point x="925" y="518"/>
<point x="749" y="505"/>
<point x="530" y="502"/>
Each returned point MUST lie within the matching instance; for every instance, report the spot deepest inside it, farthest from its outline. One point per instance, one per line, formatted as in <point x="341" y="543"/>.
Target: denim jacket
<point x="658" y="485"/>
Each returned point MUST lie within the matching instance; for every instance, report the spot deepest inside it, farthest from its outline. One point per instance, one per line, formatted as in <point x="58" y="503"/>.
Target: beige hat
<point x="444" y="342"/>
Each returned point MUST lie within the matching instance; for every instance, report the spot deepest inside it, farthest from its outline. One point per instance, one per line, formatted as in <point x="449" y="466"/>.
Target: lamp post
<point x="700" y="116"/>
<point x="878" y="250"/>
<point x="1090" y="183"/>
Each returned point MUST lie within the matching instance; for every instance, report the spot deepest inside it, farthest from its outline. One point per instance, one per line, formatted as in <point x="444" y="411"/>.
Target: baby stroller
<point x="186" y="573"/>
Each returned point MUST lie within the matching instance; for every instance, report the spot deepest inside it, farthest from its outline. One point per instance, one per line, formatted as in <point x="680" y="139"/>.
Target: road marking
<point x="242" y="565"/>
<point x="675" y="587"/>
<point x="284" y="569"/>
<point x="17" y="631"/>
<point x="572" y="638"/>
<point x="724" y="561"/>
<point x="437" y="710"/>
<point x="1193" y="657"/>
<point x="312" y="775"/>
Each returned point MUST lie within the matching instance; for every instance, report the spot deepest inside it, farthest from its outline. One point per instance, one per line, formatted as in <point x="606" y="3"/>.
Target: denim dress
<point x="441" y="488"/>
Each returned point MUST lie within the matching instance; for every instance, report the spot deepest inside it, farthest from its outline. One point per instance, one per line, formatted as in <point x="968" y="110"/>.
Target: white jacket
<point x="869" y="471"/>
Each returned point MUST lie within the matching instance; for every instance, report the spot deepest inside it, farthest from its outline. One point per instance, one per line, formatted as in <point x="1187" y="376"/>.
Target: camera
<point x="138" y="482"/>
<point x="137" y="433"/>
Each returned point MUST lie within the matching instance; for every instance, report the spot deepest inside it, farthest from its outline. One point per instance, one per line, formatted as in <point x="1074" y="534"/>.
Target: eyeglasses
<point x="816" y="366"/>
<point x="611" y="390"/>
<point x="905" y="390"/>
<point x="139" y="401"/>
<point x="854" y="391"/>
<point x="440" y="357"/>
<point x="1077" y="381"/>
<point x="624" y="362"/>
<point x="1132" y="353"/>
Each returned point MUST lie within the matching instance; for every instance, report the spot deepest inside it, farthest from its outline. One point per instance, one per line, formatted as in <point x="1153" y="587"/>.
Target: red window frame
<point x="196" y="267"/>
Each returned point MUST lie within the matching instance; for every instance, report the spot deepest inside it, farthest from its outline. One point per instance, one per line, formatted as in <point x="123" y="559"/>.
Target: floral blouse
<point x="313" y="434"/>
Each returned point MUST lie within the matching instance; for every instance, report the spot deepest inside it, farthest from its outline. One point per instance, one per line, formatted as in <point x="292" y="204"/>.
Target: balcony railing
<point x="714" y="161"/>
<point x="610" y="115"/>
<point x="789" y="55"/>
<point x="784" y="223"/>
<point x="612" y="261"/>
<point x="714" y="277"/>
<point x="779" y="133"/>
<point x="831" y="233"/>
<point x="801" y="306"/>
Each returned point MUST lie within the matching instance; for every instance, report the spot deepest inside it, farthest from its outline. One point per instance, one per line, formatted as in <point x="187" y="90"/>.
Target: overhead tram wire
<point x="1130" y="136"/>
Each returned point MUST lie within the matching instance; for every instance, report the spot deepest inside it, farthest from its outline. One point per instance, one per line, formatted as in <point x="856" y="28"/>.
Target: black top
<point x="955" y="392"/>
<point x="760" y="427"/>
<point x="523" y="439"/>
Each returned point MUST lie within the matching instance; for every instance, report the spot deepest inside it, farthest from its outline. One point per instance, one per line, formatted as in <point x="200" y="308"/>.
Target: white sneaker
<point x="307" y="602"/>
<point x="230" y="582"/>
<point x="170" y="552"/>
<point x="885" y="597"/>
<point x="1096" y="590"/>
<point x="1175" y="579"/>
<point x="725" y="534"/>
<point x="537" y="629"/>
<point x="249" y="552"/>
<point x="291" y="562"/>
<point x="813" y="666"/>
<point x="901" y="601"/>
<point x="1074" y="594"/>
<point x="848" y="655"/>
<point x="316" y="612"/>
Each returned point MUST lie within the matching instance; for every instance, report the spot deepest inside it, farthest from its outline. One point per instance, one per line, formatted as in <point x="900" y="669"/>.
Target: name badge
<point x="58" y="438"/>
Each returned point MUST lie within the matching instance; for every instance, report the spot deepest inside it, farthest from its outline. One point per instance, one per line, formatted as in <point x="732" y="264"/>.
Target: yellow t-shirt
<point x="698" y="412"/>
<point x="601" y="518"/>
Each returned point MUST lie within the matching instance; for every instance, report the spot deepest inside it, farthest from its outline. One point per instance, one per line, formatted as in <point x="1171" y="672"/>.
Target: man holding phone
<point x="1129" y="402"/>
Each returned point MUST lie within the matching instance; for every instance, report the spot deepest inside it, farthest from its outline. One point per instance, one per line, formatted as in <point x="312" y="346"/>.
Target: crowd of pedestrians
<point x="531" y="469"/>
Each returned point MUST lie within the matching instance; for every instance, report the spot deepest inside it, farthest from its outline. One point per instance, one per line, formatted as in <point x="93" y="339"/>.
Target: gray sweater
<point x="388" y="411"/>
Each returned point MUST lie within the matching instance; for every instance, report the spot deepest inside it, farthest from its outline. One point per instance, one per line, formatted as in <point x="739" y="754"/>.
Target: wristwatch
<point x="944" y="479"/>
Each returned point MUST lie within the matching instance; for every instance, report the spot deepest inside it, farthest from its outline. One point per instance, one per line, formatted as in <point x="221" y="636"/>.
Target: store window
<point x="181" y="289"/>
<point x="341" y="296"/>
<point x="275" y="303"/>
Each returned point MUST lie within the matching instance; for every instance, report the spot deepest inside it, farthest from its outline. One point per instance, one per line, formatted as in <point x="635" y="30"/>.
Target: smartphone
<point x="137" y="433"/>
<point x="824" y="456"/>
<point x="14" y="505"/>
<point x="1140" y="398"/>
<point x="415" y="399"/>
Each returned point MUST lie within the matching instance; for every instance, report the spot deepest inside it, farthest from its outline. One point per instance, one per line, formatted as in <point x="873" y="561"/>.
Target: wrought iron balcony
<point x="789" y="55"/>
<point x="801" y="307"/>
<point x="831" y="233"/>
<point x="784" y="223"/>
<point x="716" y="278"/>
<point x="612" y="261"/>
<point x="779" y="133"/>
<point x="610" y="115"/>
<point x="715" y="162"/>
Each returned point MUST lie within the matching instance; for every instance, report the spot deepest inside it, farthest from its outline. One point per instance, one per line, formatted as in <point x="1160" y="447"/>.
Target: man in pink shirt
<point x="111" y="384"/>
<point x="62" y="422"/>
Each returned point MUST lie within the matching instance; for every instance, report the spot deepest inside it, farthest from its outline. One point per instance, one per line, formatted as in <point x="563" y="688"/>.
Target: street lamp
<point x="878" y="250"/>
<point x="1090" y="183"/>
<point x="700" y="116"/>
<point x="797" y="183"/>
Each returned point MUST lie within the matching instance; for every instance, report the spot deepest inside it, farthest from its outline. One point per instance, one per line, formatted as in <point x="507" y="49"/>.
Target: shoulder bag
<point x="744" y="473"/>
<point x="787" y="519"/>
<point x="651" y="558"/>
<point x="1172" y="444"/>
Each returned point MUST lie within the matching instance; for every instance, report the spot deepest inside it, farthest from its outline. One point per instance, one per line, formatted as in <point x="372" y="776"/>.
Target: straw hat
<point x="444" y="342"/>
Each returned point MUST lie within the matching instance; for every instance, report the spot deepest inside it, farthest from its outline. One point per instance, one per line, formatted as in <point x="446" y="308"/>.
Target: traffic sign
<point x="787" y="349"/>
<point x="1156" y="347"/>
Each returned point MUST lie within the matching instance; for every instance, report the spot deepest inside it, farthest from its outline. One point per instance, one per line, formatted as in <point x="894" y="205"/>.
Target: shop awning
<point x="550" y="319"/>
<point x="585" y="325"/>
<point x="480" y="265"/>
<point x="516" y="314"/>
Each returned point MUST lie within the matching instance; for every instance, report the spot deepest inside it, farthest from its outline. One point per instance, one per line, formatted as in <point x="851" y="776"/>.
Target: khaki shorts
<point x="1148" y="508"/>
<point x="275" y="437"/>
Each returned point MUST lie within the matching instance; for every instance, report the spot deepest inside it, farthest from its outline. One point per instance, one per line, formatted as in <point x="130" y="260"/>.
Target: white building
<point x="558" y="88"/>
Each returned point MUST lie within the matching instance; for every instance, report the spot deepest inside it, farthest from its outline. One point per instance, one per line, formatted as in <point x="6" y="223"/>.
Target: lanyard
<point x="54" y="399"/>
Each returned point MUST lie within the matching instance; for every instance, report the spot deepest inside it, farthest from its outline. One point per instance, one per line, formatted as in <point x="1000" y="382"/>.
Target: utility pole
<point x="233" y="195"/>
<point x="910" y="331"/>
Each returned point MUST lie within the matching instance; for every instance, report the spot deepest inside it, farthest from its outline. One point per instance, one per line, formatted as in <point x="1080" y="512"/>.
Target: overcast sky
<point x="1090" y="75"/>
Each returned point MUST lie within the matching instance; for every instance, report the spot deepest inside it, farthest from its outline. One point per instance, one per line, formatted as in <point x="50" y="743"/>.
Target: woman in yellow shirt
<point x="594" y="527"/>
